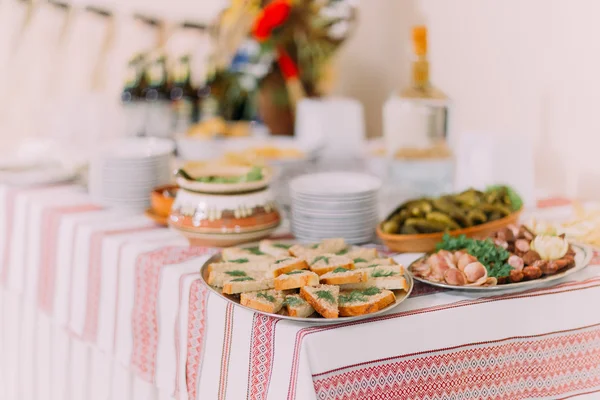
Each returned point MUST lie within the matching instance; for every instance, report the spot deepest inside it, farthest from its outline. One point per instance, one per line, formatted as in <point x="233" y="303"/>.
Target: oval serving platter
<point x="583" y="256"/>
<point x="401" y="295"/>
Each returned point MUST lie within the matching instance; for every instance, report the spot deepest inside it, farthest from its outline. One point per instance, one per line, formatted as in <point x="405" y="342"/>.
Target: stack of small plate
<point x="126" y="171"/>
<point x="334" y="204"/>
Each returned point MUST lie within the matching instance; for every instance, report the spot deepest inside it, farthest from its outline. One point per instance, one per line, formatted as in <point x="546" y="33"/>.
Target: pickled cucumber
<point x="450" y="212"/>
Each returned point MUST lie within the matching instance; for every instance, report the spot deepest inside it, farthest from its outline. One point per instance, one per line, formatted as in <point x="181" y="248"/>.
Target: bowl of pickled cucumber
<point x="418" y="225"/>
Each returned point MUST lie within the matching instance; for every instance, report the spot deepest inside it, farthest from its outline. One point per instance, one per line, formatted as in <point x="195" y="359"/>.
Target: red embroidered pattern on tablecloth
<point x="196" y="330"/>
<point x="595" y="261"/>
<point x="262" y="352"/>
<point x="94" y="279"/>
<point x="528" y="367"/>
<point x="51" y="220"/>
<point x="559" y="288"/>
<point x="226" y="353"/>
<point x="145" y="319"/>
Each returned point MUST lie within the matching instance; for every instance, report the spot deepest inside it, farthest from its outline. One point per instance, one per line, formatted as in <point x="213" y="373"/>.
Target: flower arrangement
<point x="283" y="47"/>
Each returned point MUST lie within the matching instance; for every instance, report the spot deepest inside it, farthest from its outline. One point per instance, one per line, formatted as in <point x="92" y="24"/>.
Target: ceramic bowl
<point x="162" y="198"/>
<point x="423" y="243"/>
<point x="211" y="169"/>
<point x="226" y="218"/>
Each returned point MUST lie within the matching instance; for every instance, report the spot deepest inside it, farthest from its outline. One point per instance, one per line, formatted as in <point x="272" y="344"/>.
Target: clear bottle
<point x="182" y="94"/>
<point x="415" y="124"/>
<point x="157" y="96"/>
<point x="132" y="98"/>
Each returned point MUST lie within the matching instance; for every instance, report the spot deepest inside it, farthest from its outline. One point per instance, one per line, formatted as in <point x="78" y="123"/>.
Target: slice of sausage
<point x="516" y="262"/>
<point x="522" y="245"/>
<point x="516" y="276"/>
<point x="531" y="272"/>
<point x="501" y="243"/>
<point x="456" y="277"/>
<point x="465" y="260"/>
<point x="475" y="271"/>
<point x="509" y="235"/>
<point x="531" y="257"/>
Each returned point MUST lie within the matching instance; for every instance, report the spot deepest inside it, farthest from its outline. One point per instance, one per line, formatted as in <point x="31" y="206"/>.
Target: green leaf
<point x="243" y="279"/>
<point x="255" y="174"/>
<point x="314" y="246"/>
<point x="325" y="295"/>
<point x="339" y="270"/>
<point x="282" y="246"/>
<point x="265" y="296"/>
<point x="515" y="200"/>
<point x="295" y="272"/>
<point x="282" y="260"/>
<point x="239" y="261"/>
<point x="317" y="259"/>
<point x="383" y="274"/>
<point x="293" y="301"/>
<point x="360" y="260"/>
<point x="372" y="265"/>
<point x="341" y="252"/>
<point x="371" y="291"/>
<point x="255" y="251"/>
<point x="235" y="273"/>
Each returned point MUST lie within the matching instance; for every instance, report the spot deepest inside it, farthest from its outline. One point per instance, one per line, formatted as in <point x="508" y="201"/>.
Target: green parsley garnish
<point x="341" y="252"/>
<point x="382" y="274"/>
<point x="293" y="301"/>
<point x="282" y="260"/>
<point x="359" y="295"/>
<point x="314" y="246"/>
<point x="298" y="271"/>
<point x="282" y="246"/>
<point x="493" y="257"/>
<point x="255" y="251"/>
<point x="235" y="273"/>
<point x="325" y="295"/>
<point x="317" y="259"/>
<point x="242" y="279"/>
<point x="239" y="261"/>
<point x="339" y="269"/>
<point x="266" y="297"/>
<point x="371" y="291"/>
<point x="372" y="265"/>
<point x="359" y="260"/>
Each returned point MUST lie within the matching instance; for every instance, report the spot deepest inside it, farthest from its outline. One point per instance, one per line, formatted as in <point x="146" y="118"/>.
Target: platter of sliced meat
<point x="511" y="258"/>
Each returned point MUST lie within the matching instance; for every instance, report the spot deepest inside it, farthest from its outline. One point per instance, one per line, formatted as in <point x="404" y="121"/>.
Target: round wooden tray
<point x="425" y="242"/>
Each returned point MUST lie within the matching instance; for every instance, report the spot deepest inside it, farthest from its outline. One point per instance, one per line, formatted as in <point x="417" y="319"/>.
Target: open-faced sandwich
<point x="329" y="278"/>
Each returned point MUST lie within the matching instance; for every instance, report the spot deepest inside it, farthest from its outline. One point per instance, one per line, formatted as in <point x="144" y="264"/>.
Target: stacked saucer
<point x="334" y="204"/>
<point x="126" y="171"/>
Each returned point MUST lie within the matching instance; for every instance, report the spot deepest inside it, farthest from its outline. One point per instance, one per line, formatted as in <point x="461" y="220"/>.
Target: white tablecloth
<point x="101" y="304"/>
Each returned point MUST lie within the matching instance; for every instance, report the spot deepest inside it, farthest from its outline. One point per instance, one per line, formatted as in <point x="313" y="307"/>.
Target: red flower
<point x="288" y="67"/>
<point x="272" y="16"/>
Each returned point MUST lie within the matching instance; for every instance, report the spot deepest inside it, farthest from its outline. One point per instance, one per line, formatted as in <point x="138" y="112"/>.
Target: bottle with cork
<point x="415" y="125"/>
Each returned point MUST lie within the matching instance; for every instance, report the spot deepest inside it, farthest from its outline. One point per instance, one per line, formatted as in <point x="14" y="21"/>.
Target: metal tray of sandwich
<point x="400" y="296"/>
<point x="583" y="256"/>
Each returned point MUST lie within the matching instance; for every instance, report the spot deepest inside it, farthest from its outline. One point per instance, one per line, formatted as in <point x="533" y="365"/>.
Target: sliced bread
<point x="298" y="307"/>
<point x="362" y="255"/>
<point x="375" y="262"/>
<point x="296" y="279"/>
<point x="246" y="284"/>
<point x="323" y="298"/>
<point x="328" y="262"/>
<point x="304" y="252"/>
<point x="287" y="264"/>
<point x="219" y="278"/>
<point x="270" y="301"/>
<point x="241" y="265"/>
<point x="333" y="246"/>
<point x="248" y="253"/>
<point x="340" y="276"/>
<point x="277" y="250"/>
<point x="384" y="271"/>
<point x="396" y="282"/>
<point x="365" y="301"/>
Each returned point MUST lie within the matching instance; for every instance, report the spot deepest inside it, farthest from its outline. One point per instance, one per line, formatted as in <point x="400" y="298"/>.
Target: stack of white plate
<point x="334" y="204"/>
<point x="126" y="171"/>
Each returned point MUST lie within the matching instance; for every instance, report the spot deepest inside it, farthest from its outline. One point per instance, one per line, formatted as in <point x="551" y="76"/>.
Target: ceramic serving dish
<point x="226" y="219"/>
<point x="425" y="242"/>
<point x="162" y="198"/>
<point x="186" y="179"/>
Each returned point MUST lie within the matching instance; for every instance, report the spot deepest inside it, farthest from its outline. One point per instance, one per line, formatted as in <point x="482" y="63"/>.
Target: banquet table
<point x="103" y="304"/>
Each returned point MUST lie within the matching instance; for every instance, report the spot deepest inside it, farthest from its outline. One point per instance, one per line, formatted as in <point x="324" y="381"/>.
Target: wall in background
<point x="512" y="67"/>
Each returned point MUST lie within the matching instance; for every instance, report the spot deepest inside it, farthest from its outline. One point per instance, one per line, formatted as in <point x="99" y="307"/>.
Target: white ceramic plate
<point x="583" y="256"/>
<point x="335" y="184"/>
<point x="401" y="295"/>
